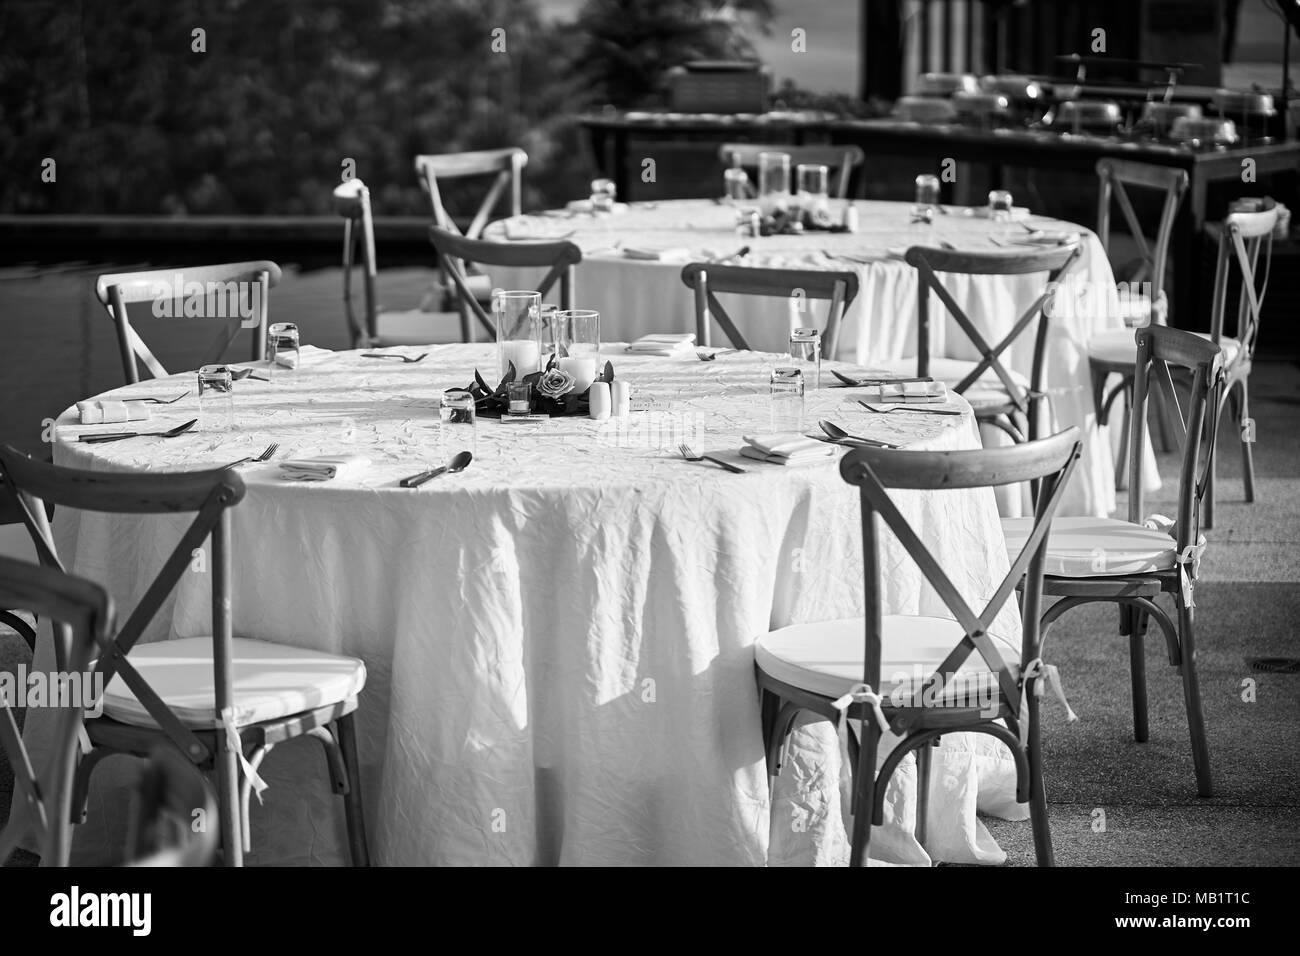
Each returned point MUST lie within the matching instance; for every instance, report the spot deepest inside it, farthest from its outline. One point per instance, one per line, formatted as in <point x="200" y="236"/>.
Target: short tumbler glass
<point x="216" y="398"/>
<point x="283" y="349"/>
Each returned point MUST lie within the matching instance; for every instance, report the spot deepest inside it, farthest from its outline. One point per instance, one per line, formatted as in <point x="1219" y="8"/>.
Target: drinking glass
<point x="735" y="184"/>
<point x="519" y="396"/>
<point x="787" y="389"/>
<point x="927" y="197"/>
<point x="459" y="423"/>
<point x="806" y="354"/>
<point x="580" y="354"/>
<point x="518" y="317"/>
<point x="603" y="192"/>
<point x="1000" y="205"/>
<point x="216" y="398"/>
<point x="811" y="180"/>
<point x="773" y="182"/>
<point x="283" y="349"/>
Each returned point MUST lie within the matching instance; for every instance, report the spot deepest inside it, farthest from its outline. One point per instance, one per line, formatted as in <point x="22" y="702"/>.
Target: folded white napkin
<point x="584" y="205"/>
<point x="106" y="412"/>
<point x="323" y="467"/>
<point x="663" y="343"/>
<point x="907" y="392"/>
<point x="532" y="227"/>
<point x="650" y="253"/>
<point x="786" y="448"/>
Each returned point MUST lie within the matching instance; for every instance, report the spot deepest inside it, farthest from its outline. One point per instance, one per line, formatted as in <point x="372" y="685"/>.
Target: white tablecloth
<point x="559" y="639"/>
<point x="635" y="296"/>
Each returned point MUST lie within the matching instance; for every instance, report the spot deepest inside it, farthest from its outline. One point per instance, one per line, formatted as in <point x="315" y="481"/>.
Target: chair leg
<point x="864" y="789"/>
<point x="232" y="840"/>
<point x="1038" y="791"/>
<point x="1247" y="447"/>
<point x="1192" y="698"/>
<point x="352" y="806"/>
<point x="923" y="756"/>
<point x="769" y="707"/>
<point x="1121" y="463"/>
<point x="1137" y="662"/>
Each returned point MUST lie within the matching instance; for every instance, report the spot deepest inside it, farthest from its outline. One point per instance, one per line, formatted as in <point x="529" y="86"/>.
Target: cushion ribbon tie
<point x="1044" y="673"/>
<point x="863" y="694"/>
<point x="237" y="745"/>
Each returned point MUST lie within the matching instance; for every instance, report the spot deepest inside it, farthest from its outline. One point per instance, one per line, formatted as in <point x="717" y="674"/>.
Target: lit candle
<point x="583" y="371"/>
<point x="523" y="353"/>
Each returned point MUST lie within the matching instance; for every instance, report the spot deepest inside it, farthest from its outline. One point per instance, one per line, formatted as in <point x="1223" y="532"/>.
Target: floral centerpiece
<point x="786" y="222"/>
<point x="553" y="391"/>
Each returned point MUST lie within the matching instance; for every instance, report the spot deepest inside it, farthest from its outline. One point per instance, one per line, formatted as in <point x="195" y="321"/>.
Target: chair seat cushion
<point x="985" y="390"/>
<point x="826" y="658"/>
<point x="270" y="681"/>
<point x="1136" y="309"/>
<point x="1228" y="346"/>
<point x="1114" y="345"/>
<point x="1096" y="547"/>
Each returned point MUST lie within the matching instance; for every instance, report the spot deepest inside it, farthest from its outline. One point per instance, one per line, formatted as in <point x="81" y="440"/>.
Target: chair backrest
<point x="1115" y="176"/>
<point x="795" y="285"/>
<point x="211" y="494"/>
<point x="1159" y="348"/>
<point x="84" y="614"/>
<point x="168" y="796"/>
<point x="841" y="160"/>
<point x="504" y="165"/>
<point x="455" y="250"/>
<point x="1240" y="240"/>
<point x="352" y="202"/>
<point x="1048" y="461"/>
<point x="1056" y="261"/>
<point x="235" y="292"/>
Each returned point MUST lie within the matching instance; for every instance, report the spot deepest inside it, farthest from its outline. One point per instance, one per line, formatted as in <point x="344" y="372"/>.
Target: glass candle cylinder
<point x="773" y="182"/>
<point x="517" y="317"/>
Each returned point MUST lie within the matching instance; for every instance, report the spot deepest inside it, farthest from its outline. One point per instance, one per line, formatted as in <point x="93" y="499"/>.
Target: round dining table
<point x="558" y="639"/>
<point x="631" y="274"/>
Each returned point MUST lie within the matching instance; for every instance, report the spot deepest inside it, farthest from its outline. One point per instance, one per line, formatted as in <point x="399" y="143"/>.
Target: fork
<point x="689" y="455"/>
<point x="704" y="356"/>
<point x="159" y="401"/>
<point x="392" y="355"/>
<point x="910" y="408"/>
<point x="271" y="449"/>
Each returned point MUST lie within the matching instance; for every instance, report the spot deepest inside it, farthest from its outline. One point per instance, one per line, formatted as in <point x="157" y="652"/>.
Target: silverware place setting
<point x="404" y="359"/>
<point x="840" y="436"/>
<point x="271" y="449"/>
<point x="458" y="464"/>
<point x="869" y="382"/>
<point x="704" y="356"/>
<point x="239" y="374"/>
<point x="101" y="437"/>
<point x="157" y="401"/>
<point x="690" y="455"/>
<point x="908" y="408"/>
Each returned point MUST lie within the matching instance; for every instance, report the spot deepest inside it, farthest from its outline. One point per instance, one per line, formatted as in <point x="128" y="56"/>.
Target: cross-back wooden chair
<point x="841" y="160"/>
<point x="175" y="818"/>
<point x="227" y="289"/>
<point x="868" y="668"/>
<point x="559" y="258"/>
<point x="505" y="166"/>
<point x="1113" y="353"/>
<point x="376" y="327"/>
<point x="1131" y="563"/>
<point x="11" y="520"/>
<point x="82" y="615"/>
<point x="1242" y="238"/>
<point x="1000" y="397"/>
<point x="803" y="285"/>
<point x="221" y="701"/>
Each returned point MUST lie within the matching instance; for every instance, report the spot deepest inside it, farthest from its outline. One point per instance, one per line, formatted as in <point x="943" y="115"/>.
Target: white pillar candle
<point x="599" y="399"/>
<point x="620" y="396"/>
<point x="583" y="371"/>
<point x="523" y="353"/>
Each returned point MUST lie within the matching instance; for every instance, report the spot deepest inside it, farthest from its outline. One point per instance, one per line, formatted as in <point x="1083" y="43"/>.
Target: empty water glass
<point x="787" y="388"/>
<point x="735" y="184"/>
<point x="283" y="349"/>
<point x="1000" y="205"/>
<point x="927" y="197"/>
<point x="603" y="192"/>
<point x="459" y="423"/>
<point x="806" y="354"/>
<point x="773" y="182"/>
<point x="216" y="398"/>
<point x="811" y="180"/>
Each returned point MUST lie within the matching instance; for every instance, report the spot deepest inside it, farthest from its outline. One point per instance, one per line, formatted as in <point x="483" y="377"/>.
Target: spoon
<point x="118" y="436"/>
<point x="839" y="434"/>
<point x="237" y="374"/>
<point x="458" y="463"/>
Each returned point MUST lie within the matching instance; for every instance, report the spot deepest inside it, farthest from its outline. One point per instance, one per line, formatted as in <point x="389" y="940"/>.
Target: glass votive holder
<point x="735" y="184"/>
<point x="519" y="399"/>
<point x="806" y="355"/>
<point x="773" y="182"/>
<point x="603" y="193"/>
<point x="283" y="349"/>
<point x="927" y="197"/>
<point x="811" y="184"/>
<point x="216" y="398"/>
<point x="1000" y="205"/>
<point x="787" y="390"/>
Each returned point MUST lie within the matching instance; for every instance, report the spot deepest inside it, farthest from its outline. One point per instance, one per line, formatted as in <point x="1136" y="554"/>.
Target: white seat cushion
<point x="986" y="390"/>
<point x="1228" y="346"/>
<point x="1095" y="547"/>
<point x="1114" y="345"/>
<point x="1135" y="309"/>
<point x="270" y="681"/>
<point x="826" y="658"/>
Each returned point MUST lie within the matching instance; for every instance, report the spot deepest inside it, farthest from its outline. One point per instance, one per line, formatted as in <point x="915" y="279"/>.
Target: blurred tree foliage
<point x="139" y="122"/>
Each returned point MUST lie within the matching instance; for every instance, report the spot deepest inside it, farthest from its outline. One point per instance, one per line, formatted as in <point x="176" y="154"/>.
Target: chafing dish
<point x="1204" y="131"/>
<point x="1018" y="89"/>
<point x="1085" y="116"/>
<point x="981" y="108"/>
<point x="924" y="109"/>
<point x="1243" y="103"/>
<point x="946" y="84"/>
<point x="1158" y="118"/>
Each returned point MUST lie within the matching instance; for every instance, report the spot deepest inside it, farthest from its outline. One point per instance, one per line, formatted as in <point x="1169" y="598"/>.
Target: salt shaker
<point x="599" y="400"/>
<point x="620" y="395"/>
